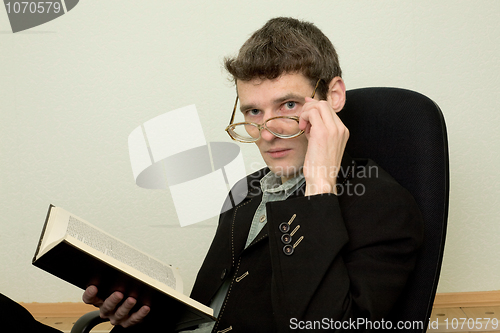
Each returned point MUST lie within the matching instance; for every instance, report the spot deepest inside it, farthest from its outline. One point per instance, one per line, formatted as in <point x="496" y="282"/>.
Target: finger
<point x="323" y="118"/>
<point x="325" y="111"/>
<point x="311" y="122"/>
<point x="305" y="117"/>
<point x="109" y="305"/>
<point x="137" y="317"/>
<point x="123" y="310"/>
<point x="313" y="108"/>
<point x="90" y="296"/>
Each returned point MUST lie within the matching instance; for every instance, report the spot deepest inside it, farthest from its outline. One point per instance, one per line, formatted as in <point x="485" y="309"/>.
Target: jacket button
<point x="284" y="227"/>
<point x="288" y="249"/>
<point x="286" y="238"/>
<point x="223" y="274"/>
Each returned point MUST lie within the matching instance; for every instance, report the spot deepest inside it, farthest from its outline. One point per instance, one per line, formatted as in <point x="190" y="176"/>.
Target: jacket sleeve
<point x="350" y="257"/>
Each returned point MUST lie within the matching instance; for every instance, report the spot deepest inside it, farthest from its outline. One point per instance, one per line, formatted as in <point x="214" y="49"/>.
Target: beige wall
<point x="73" y="89"/>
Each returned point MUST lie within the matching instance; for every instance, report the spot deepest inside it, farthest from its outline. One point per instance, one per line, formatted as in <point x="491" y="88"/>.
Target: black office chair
<point x="87" y="322"/>
<point x="405" y="133"/>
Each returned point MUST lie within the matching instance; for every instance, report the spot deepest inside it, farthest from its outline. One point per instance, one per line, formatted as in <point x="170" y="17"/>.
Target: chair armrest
<point x="88" y="321"/>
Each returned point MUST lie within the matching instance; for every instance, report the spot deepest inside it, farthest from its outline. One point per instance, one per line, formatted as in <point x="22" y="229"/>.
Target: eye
<point x="253" y="112"/>
<point x="289" y="106"/>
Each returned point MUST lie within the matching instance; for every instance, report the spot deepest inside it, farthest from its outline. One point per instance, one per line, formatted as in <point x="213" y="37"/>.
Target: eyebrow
<point x="287" y="97"/>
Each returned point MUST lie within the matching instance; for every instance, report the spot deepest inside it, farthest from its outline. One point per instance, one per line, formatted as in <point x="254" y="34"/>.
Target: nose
<point x="264" y="133"/>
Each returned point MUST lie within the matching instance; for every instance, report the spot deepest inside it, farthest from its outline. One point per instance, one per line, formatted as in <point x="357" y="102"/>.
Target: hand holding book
<point x="112" y="308"/>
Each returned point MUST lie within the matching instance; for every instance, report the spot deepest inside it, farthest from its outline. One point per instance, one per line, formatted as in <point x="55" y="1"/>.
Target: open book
<point x="81" y="254"/>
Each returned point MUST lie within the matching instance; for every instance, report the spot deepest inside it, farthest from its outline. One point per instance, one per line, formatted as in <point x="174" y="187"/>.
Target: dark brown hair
<point x="286" y="45"/>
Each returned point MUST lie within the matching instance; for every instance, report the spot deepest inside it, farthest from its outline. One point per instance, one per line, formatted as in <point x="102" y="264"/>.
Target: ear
<point x="336" y="93"/>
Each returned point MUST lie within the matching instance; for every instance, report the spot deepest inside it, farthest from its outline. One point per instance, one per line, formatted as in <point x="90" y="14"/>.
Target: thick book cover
<point x="81" y="254"/>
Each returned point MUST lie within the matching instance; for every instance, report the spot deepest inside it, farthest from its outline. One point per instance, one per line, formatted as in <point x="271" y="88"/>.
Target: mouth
<point x="278" y="152"/>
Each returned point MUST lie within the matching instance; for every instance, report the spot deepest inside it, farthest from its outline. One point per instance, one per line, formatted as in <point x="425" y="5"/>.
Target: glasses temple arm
<point x="315" y="88"/>
<point x="234" y="110"/>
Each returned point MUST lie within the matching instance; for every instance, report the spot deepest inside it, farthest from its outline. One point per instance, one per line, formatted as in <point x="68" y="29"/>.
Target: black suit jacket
<point x="16" y="319"/>
<point x="355" y="255"/>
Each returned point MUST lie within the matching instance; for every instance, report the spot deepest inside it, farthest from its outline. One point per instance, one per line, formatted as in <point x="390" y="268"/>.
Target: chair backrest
<point x="405" y="133"/>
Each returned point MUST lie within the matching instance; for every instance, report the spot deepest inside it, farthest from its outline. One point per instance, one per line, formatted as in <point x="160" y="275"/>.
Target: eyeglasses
<point x="284" y="127"/>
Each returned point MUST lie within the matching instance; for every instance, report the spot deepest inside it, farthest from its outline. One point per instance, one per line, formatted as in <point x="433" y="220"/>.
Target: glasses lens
<point x="283" y="127"/>
<point x="247" y="132"/>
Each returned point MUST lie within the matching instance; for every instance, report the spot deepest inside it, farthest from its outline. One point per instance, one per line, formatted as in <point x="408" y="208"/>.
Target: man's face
<point x="264" y="99"/>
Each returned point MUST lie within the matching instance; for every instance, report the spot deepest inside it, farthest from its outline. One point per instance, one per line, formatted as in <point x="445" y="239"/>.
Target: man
<point x="303" y="247"/>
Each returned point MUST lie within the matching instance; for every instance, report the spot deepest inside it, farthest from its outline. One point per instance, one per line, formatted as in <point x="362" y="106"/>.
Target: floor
<point x="478" y="319"/>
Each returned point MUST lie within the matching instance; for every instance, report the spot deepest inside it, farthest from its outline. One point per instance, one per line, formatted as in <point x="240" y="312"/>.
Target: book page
<point x="123" y="252"/>
<point x="54" y="232"/>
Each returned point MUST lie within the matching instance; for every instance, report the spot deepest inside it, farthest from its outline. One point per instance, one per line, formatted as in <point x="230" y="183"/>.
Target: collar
<point x="271" y="183"/>
<point x="346" y="172"/>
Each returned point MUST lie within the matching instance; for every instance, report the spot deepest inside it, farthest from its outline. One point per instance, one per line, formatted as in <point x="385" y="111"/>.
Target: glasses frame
<point x="233" y="135"/>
